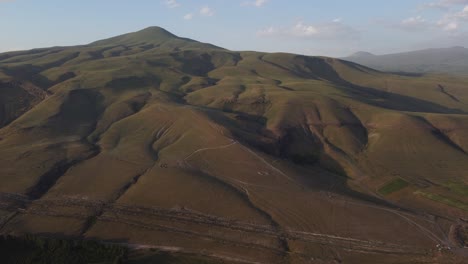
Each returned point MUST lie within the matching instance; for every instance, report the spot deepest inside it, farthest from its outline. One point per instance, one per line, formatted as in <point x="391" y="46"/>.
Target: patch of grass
<point x="393" y="186"/>
<point x="443" y="199"/>
<point x="457" y="187"/>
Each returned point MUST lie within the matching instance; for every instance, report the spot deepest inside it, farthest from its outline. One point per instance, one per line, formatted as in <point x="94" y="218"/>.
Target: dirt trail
<point x="423" y="230"/>
<point x="278" y="229"/>
<point x="268" y="164"/>
<point x="132" y="215"/>
<point x="212" y="148"/>
<point x="451" y="96"/>
<point x="126" y="214"/>
<point x="44" y="143"/>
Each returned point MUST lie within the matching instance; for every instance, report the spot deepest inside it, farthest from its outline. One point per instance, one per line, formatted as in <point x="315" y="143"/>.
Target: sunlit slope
<point x="152" y="139"/>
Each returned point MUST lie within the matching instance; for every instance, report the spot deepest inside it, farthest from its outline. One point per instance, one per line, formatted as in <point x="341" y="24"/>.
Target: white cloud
<point x="450" y="26"/>
<point x="464" y="12"/>
<point x="413" y="21"/>
<point x="416" y="23"/>
<point x="269" y="31"/>
<point x="171" y="3"/>
<point x="303" y="30"/>
<point x="461" y="15"/>
<point x="257" y="3"/>
<point x="206" y="11"/>
<point x="452" y="21"/>
<point x="329" y="30"/>
<point x="448" y="23"/>
<point x="188" y="16"/>
<point x="446" y="4"/>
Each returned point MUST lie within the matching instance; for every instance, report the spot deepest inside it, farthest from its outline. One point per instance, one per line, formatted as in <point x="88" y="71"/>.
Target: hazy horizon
<point x="308" y="27"/>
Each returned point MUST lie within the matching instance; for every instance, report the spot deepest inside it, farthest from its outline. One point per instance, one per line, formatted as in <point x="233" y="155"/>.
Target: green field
<point x="457" y="187"/>
<point x="393" y="186"/>
<point x="443" y="199"/>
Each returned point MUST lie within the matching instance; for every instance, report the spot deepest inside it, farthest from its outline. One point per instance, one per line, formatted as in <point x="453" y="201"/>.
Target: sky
<point x="330" y="28"/>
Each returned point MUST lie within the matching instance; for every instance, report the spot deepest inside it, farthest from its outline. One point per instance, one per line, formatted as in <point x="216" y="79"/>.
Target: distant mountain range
<point x="445" y="60"/>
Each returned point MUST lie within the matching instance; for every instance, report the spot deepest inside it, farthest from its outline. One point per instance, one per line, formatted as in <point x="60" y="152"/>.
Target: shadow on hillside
<point x="328" y="176"/>
<point x="360" y="67"/>
<point x="408" y="74"/>
<point x="395" y="101"/>
<point x="317" y="68"/>
<point x="385" y="99"/>
<point x="32" y="74"/>
<point x="57" y="248"/>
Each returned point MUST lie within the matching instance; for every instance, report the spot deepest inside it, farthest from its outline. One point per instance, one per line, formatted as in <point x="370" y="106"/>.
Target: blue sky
<point x="332" y="28"/>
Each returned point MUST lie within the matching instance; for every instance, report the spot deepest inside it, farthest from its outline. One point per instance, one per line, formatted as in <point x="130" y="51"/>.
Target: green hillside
<point x="152" y="139"/>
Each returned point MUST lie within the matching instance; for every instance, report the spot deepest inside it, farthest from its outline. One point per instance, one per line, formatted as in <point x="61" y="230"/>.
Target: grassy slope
<point x="144" y="123"/>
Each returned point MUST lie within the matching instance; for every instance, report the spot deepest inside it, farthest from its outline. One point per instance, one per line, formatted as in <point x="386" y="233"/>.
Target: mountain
<point x="158" y="142"/>
<point x="360" y="54"/>
<point x="153" y="37"/>
<point x="445" y="60"/>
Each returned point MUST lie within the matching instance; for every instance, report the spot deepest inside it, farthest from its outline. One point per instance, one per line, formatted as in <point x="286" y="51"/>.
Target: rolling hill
<point x="446" y="60"/>
<point x="156" y="141"/>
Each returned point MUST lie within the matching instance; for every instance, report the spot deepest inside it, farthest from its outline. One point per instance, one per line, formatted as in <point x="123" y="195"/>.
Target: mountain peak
<point x="362" y="54"/>
<point x="149" y="35"/>
<point x="155" y="31"/>
<point x="154" y="37"/>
